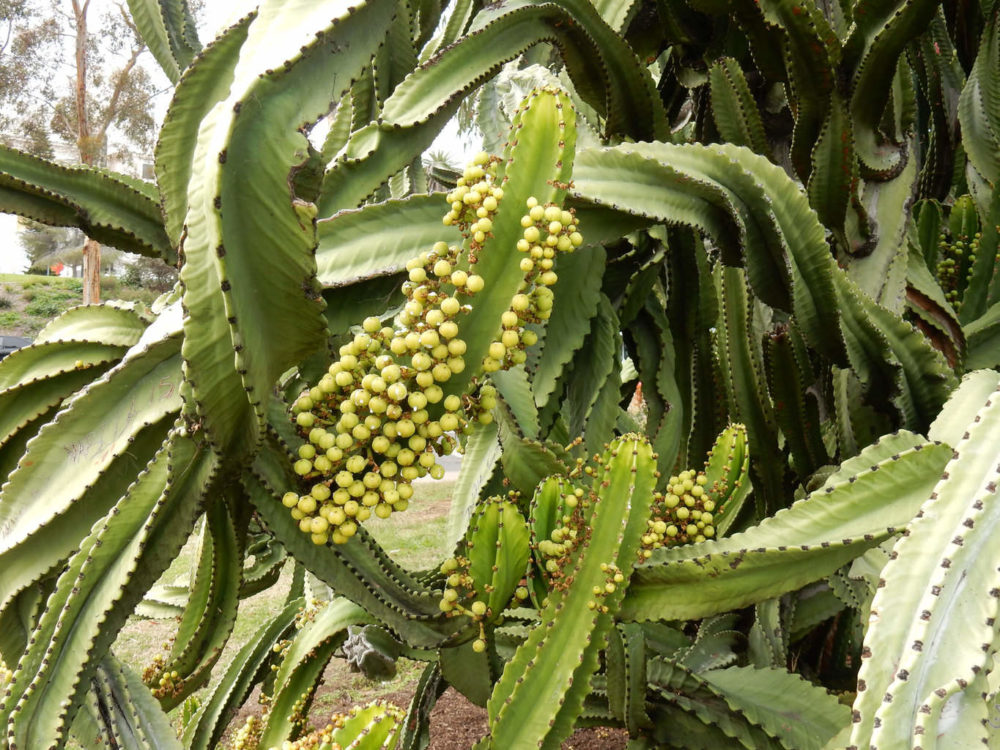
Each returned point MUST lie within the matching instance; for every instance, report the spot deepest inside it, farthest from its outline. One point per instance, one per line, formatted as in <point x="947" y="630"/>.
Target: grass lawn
<point x="28" y="302"/>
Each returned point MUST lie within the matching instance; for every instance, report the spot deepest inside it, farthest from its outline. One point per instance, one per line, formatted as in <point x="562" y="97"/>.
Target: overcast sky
<point x="216" y="16"/>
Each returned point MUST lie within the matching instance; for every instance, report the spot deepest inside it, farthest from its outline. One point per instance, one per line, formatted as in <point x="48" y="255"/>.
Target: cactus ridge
<point x="961" y="502"/>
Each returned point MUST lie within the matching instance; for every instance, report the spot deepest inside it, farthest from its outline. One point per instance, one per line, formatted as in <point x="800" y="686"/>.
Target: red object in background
<point x="56" y="269"/>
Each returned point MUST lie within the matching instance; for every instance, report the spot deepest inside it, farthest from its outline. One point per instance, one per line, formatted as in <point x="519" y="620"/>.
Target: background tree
<point x="45" y="245"/>
<point x="74" y="87"/>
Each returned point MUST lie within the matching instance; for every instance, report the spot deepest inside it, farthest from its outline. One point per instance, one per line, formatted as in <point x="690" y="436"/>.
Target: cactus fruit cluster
<point x="383" y="413"/>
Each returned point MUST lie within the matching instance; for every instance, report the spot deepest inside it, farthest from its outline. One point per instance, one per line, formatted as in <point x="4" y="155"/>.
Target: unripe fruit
<point x="475" y="283"/>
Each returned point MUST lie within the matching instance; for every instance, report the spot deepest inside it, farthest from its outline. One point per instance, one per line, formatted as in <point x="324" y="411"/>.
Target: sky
<point x="216" y="16"/>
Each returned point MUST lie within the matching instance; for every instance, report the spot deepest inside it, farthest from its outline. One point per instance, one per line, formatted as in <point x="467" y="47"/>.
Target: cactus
<point x="763" y="213"/>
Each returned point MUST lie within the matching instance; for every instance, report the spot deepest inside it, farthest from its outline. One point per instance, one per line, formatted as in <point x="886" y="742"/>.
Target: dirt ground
<point x="456" y="724"/>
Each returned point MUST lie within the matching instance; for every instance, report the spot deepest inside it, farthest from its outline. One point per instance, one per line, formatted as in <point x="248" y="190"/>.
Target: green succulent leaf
<point x="106" y="208"/>
<point x="378" y="239"/>
<point x="800" y="544"/>
<point x="979" y="105"/>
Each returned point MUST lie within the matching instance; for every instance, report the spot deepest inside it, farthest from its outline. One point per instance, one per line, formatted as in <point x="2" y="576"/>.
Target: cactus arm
<point x="983" y="337"/>
<point x="795" y="408"/>
<point x="800" y="544"/>
<point x="655" y="180"/>
<point x="822" y="296"/>
<point x="106" y="208"/>
<point x="269" y="559"/>
<point x="592" y="366"/>
<point x="302" y="666"/>
<point x="880" y="38"/>
<point x="396" y="57"/>
<point x="979" y="105"/>
<point x="210" y="612"/>
<point x="812" y="52"/>
<point x="603" y="419"/>
<point x="833" y="176"/>
<point x="916" y="374"/>
<point x="233" y="232"/>
<point x="935" y="315"/>
<point x="422" y="104"/>
<point x="518" y="400"/>
<point x="138" y="720"/>
<point x="787" y="707"/>
<point x="728" y="469"/>
<point x="606" y="72"/>
<point x="736" y="115"/>
<point x="881" y="272"/>
<point x="938" y="580"/>
<point x="981" y="291"/>
<point x="626" y="676"/>
<point x="743" y="375"/>
<point x="114" y="324"/>
<point x="202" y="86"/>
<point x="482" y="452"/>
<point x="207" y="725"/>
<point x="167" y="28"/>
<point x="561" y="652"/>
<point x="45" y="375"/>
<point x="48" y="359"/>
<point x="526" y="462"/>
<point x="574" y="308"/>
<point x="378" y="239"/>
<point x="93" y="429"/>
<point x="340" y="127"/>
<point x="416" y="730"/>
<point x="121" y="558"/>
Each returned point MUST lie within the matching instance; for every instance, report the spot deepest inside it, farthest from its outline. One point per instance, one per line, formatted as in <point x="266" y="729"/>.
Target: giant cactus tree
<point x="780" y="217"/>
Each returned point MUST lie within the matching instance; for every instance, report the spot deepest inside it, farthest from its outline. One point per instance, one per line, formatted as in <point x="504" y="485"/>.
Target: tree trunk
<point x="91" y="272"/>
<point x="85" y="142"/>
